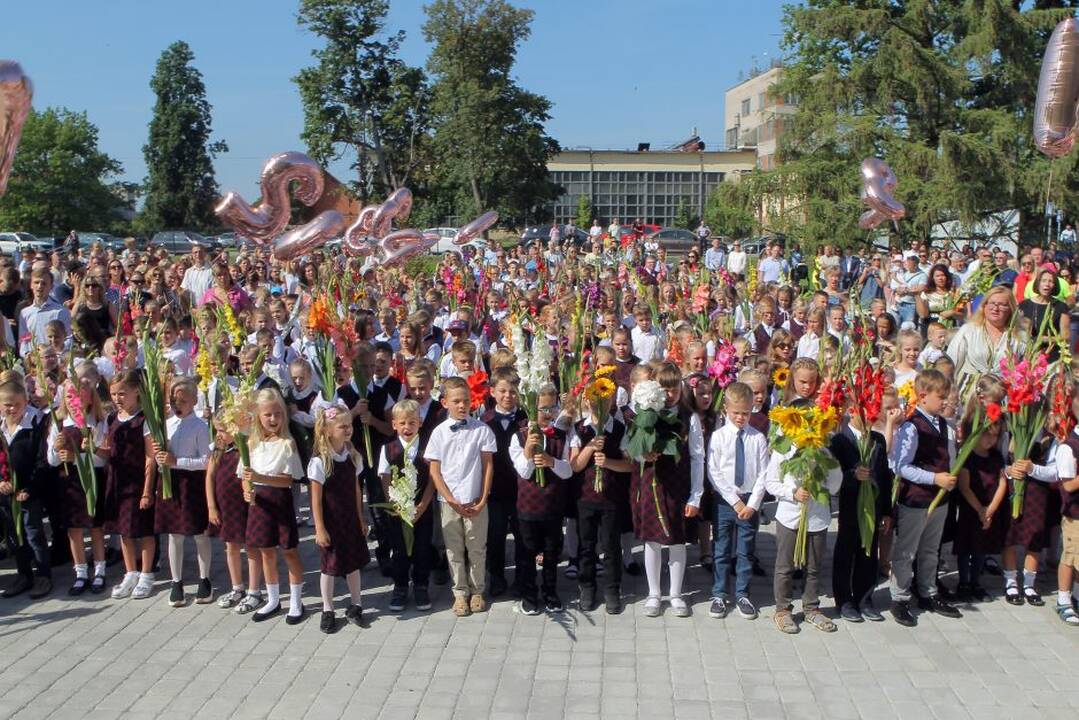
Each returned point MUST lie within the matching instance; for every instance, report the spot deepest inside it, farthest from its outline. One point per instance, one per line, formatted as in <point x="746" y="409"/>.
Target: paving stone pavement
<point x="98" y="658"/>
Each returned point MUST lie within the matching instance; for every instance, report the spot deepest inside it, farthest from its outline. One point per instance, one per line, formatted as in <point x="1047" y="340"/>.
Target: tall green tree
<point x="731" y="210"/>
<point x="489" y="133"/>
<point x="60" y="180"/>
<point x="942" y="90"/>
<point x="584" y="212"/>
<point x="360" y="99"/>
<point x="180" y="184"/>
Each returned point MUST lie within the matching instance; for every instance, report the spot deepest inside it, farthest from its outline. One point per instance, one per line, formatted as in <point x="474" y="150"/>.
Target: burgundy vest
<point x="623" y="369"/>
<point x="504" y="479"/>
<point x="395" y="456"/>
<point x="796" y="330"/>
<point x="538" y="503"/>
<point x="932" y="456"/>
<point x="615" y="485"/>
<point x="762" y="339"/>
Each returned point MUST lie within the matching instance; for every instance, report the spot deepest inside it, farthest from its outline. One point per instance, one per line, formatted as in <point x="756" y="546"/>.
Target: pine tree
<point x="584" y="212"/>
<point x="180" y="185"/>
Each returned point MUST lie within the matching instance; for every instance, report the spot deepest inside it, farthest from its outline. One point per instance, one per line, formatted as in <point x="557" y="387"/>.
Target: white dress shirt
<point x="460" y="456"/>
<point x="906" y="446"/>
<point x="197" y="280"/>
<point x="525" y="467"/>
<point x="647" y="345"/>
<point x="721" y="464"/>
<point x="809" y="345"/>
<point x="783" y="487"/>
<point x="98" y="432"/>
<point x="411" y="448"/>
<point x="316" y="471"/>
<point x="189" y="441"/>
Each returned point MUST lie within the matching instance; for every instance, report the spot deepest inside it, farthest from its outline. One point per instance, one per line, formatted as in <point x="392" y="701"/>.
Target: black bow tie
<point x="506" y="417"/>
<point x="459" y="425"/>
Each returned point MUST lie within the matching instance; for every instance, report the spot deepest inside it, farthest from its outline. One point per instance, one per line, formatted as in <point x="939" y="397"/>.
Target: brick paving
<point x="98" y="658"/>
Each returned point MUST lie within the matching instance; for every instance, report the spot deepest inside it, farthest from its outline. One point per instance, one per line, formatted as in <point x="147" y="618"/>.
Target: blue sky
<point x="618" y="72"/>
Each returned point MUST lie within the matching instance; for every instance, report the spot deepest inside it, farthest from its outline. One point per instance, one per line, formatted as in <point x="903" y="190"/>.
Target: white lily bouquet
<point x="402" y="501"/>
<point x="534" y="369"/>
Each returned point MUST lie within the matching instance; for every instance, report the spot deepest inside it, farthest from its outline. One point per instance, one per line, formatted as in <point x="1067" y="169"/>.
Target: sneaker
<point x="851" y="613"/>
<point x="942" y="607"/>
<point x="902" y="614"/>
<point x="354" y="615"/>
<point x="231" y="599"/>
<point x="679" y="608"/>
<point x="1067" y="614"/>
<point x="421" y="598"/>
<point x="653" y="606"/>
<point x="328" y="623"/>
<point x="176" y="595"/>
<point x="398" y="599"/>
<point x="205" y="594"/>
<point x="719" y="608"/>
<point x="820" y="621"/>
<point x="42" y="587"/>
<point x="746" y="608"/>
<point x="612" y="603"/>
<point x="145" y="587"/>
<point x="126" y="586"/>
<point x="251" y="602"/>
<point x="870" y="612"/>
<point x="527" y="607"/>
<point x="477" y="604"/>
<point x="460" y="606"/>
<point x="18" y="587"/>
<point x="571" y="569"/>
<point x="784" y="620"/>
<point x="554" y="604"/>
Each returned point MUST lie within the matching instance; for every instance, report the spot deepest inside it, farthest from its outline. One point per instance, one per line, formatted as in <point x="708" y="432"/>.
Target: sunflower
<point x="780" y="377"/>
<point x="603" y="371"/>
<point x="600" y="389"/>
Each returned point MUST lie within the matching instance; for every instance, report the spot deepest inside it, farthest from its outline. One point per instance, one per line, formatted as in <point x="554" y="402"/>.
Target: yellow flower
<point x="600" y="389"/>
<point x="603" y="371"/>
<point x="780" y="377"/>
<point x="906" y="393"/>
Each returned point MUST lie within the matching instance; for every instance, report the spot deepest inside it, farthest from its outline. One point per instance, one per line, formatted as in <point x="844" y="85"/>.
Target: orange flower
<point x="318" y="318"/>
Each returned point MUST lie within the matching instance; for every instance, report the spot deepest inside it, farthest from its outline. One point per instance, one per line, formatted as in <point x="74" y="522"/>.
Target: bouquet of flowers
<point x="478" y="390"/>
<point x="402" y="501"/>
<point x="534" y="370"/>
<point x="655" y="429"/>
<point x="153" y="405"/>
<point x="600" y="393"/>
<point x="236" y="415"/>
<point x="84" y="461"/>
<point x="320" y="322"/>
<point x="806" y="430"/>
<point x="7" y="474"/>
<point x="226" y="319"/>
<point x="867" y="385"/>
<point x="982" y="420"/>
<point x="569" y="365"/>
<point x="907" y="397"/>
<point x="724" y="370"/>
<point x="1024" y="385"/>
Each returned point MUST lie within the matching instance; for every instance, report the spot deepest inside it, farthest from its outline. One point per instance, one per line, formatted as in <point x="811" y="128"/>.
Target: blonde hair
<point x="271" y="395"/>
<point x="97" y="408"/>
<point x="405" y="408"/>
<point x="322" y="448"/>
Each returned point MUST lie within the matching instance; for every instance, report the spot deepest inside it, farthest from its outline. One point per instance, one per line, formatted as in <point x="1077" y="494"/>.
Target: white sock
<point x="325" y="586"/>
<point x="676" y="564"/>
<point x="295" y="599"/>
<point x="202" y="551"/>
<point x="653" y="567"/>
<point x="99" y="569"/>
<point x="1064" y="597"/>
<point x="571" y="538"/>
<point x="1010" y="579"/>
<point x="273" y="599"/>
<point x="82" y="570"/>
<point x="627" y="548"/>
<point x="238" y="588"/>
<point x="133" y="575"/>
<point x="146" y="578"/>
<point x="176" y="556"/>
<point x="1029" y="576"/>
<point x="353" y="580"/>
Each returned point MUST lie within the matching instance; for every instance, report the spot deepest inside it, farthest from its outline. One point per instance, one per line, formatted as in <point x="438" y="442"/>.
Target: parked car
<point x="445" y="240"/>
<point x="229" y="240"/>
<point x="543" y="234"/>
<point x="13" y="242"/>
<point x="106" y="240"/>
<point x="676" y="240"/>
<point x="181" y="241"/>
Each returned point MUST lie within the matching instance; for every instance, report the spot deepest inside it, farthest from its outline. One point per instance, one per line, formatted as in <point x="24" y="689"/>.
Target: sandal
<point x="1068" y="615"/>
<point x="97" y="585"/>
<point x="1032" y="597"/>
<point x="1012" y="596"/>
<point x="784" y="620"/>
<point x="820" y="621"/>
<point x="79" y="586"/>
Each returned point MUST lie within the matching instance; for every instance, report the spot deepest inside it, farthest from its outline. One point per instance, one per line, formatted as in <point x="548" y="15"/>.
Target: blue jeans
<point x="906" y="312"/>
<point x="728" y="530"/>
<point x="33" y="554"/>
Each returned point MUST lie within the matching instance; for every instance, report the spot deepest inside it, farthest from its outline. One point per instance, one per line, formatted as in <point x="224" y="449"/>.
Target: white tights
<point x="325" y="583"/>
<point x="653" y="568"/>
<point x="176" y="555"/>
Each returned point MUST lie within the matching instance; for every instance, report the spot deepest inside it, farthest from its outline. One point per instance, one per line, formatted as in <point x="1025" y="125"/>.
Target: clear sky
<point x="618" y="72"/>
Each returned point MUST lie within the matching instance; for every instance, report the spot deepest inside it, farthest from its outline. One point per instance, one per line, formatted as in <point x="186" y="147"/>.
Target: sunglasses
<point x="136" y="280"/>
<point x="90" y="286"/>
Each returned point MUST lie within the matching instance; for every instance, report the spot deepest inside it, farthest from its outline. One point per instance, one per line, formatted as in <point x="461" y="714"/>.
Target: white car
<point x="13" y="242"/>
<point x="445" y="243"/>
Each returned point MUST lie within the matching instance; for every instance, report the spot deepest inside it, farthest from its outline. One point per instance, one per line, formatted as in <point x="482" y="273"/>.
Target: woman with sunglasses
<point x="93" y="308"/>
<point x="117" y="282"/>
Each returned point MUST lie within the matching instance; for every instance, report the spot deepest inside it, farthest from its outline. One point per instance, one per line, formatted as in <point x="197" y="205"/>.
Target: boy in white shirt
<point x="937" y="336"/>
<point x="648" y="342"/>
<point x="460" y="452"/>
<point x="737" y="457"/>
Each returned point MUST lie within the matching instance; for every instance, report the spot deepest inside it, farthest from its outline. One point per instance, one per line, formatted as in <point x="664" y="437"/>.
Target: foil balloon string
<point x="16" y="92"/>
<point x="878" y="188"/>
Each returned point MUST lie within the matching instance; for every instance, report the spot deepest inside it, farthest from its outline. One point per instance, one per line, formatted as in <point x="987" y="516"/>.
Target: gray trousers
<point x="917" y="536"/>
<point x="816" y="547"/>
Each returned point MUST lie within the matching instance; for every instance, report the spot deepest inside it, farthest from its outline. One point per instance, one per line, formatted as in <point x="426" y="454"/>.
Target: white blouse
<point x="99" y="430"/>
<point x="189" y="441"/>
<point x="274" y="457"/>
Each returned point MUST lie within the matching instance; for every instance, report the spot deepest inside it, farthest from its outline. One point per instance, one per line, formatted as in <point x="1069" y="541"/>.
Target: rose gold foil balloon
<point x="878" y="184"/>
<point x="397" y="247"/>
<point x="870" y="219"/>
<point x="397" y="207"/>
<point x="358" y="241"/>
<point x="475" y="228"/>
<point x="302" y="240"/>
<point x="1058" y="91"/>
<point x="16" y="92"/>
<point x="265" y="222"/>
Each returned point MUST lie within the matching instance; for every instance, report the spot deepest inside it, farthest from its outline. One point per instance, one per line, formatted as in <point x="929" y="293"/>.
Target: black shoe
<point x="979" y="594"/>
<point x="944" y="592"/>
<point x="554" y="604"/>
<point x="528" y="607"/>
<point x="421" y="597"/>
<point x="354" y="615"/>
<point x="205" y="593"/>
<point x="964" y="593"/>
<point x="1032" y="597"/>
<point x="21" y="585"/>
<point x="633" y="569"/>
<point x="97" y="585"/>
<point x="42" y="587"/>
<point x="259" y="616"/>
<point x="992" y="567"/>
<point x="398" y="599"/>
<point x="942" y="607"/>
<point x="79" y="586"/>
<point x="176" y="595"/>
<point x="296" y="619"/>
<point x="902" y="614"/>
<point x="719" y="609"/>
<point x="587" y="601"/>
<point x="112" y="556"/>
<point x="328" y="623"/>
<point x="1012" y="595"/>
<point x="758" y="571"/>
<point x="613" y="603"/>
<point x="497" y="586"/>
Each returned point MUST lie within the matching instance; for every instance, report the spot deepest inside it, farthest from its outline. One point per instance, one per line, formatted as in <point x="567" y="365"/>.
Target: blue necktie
<point x="740" y="459"/>
<point x="459" y="425"/>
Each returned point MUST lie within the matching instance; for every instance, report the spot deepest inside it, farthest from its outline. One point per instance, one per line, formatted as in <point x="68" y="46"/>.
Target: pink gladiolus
<point x="74" y="405"/>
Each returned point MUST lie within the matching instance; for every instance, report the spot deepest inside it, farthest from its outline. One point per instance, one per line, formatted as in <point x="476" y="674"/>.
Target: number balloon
<point x="265" y="222"/>
<point x="1058" y="91"/>
<point x="878" y="184"/>
<point x="16" y="92"/>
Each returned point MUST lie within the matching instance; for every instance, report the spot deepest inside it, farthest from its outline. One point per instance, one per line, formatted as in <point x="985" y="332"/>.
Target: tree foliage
<point x="942" y="90"/>
<point x="180" y="186"/>
<point x="584" y="212"/>
<point x="60" y="179"/>
<point x="489" y="134"/>
<point x="730" y="210"/>
<point x="360" y="99"/>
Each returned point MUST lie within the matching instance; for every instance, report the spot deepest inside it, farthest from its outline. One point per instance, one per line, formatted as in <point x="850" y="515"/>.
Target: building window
<point x="732" y="138"/>
<point x="745" y="107"/>
<point x="760" y="101"/>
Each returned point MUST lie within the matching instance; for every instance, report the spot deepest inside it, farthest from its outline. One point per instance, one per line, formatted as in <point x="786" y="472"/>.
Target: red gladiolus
<point x="477" y="389"/>
<point x="993" y="412"/>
